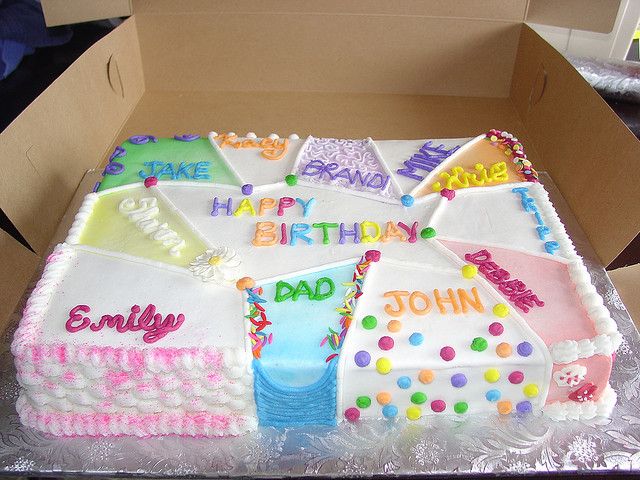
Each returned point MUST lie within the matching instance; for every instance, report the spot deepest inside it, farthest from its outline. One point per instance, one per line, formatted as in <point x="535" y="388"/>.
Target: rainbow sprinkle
<point x="333" y="338"/>
<point x="512" y="147"/>
<point x="258" y="318"/>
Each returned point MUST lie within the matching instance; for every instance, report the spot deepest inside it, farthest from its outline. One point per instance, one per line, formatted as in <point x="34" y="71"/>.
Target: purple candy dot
<point x="352" y="414"/>
<point x="247" y="189"/>
<point x="525" y="349"/>
<point x="516" y="377"/>
<point x="438" y="406"/>
<point x="458" y="380"/>
<point x="187" y="137"/>
<point x="496" y="329"/>
<point x="362" y="358"/>
<point x="385" y="343"/>
<point x="447" y="353"/>
<point x="524" y="407"/>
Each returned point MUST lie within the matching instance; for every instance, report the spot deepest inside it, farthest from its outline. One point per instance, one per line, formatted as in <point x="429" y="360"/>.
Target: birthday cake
<point x="209" y="285"/>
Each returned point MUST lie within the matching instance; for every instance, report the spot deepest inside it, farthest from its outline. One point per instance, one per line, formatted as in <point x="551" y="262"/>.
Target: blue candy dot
<point x="389" y="411"/>
<point x="524" y="407"/>
<point x="404" y="382"/>
<point x="407" y="200"/>
<point x="493" y="395"/>
<point x="416" y="339"/>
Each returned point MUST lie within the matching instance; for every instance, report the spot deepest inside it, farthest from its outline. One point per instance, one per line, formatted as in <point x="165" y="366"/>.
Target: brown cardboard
<point x="592" y="15"/>
<point x="66" y="131"/>
<point x="626" y="280"/>
<point x="64" y="12"/>
<point x="581" y="142"/>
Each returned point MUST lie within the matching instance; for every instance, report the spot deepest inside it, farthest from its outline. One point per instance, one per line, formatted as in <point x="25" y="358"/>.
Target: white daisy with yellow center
<point x="219" y="265"/>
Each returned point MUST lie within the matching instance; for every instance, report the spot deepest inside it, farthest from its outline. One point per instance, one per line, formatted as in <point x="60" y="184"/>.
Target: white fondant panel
<point x="110" y="285"/>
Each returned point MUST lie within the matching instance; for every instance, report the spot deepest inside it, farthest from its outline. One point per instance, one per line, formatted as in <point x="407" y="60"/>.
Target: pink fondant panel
<point x="598" y="372"/>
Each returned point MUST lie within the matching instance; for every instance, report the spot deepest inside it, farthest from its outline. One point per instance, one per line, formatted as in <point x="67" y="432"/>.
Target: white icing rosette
<point x="219" y="265"/>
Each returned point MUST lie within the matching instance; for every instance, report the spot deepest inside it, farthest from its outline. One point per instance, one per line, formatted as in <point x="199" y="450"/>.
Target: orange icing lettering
<point x="265" y="234"/>
<point x="442" y="301"/>
<point x="397" y="295"/>
<point x="272" y="148"/>
<point x="266" y="203"/>
<point x="393" y="231"/>
<point x="466" y="301"/>
<point x="412" y="303"/>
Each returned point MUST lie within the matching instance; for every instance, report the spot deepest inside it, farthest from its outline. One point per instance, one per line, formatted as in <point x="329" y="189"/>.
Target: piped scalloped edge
<point x="81" y="218"/>
<point x="570" y="410"/>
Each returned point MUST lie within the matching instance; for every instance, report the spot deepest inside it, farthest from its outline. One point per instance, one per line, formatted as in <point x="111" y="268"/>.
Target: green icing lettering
<point x="281" y="293"/>
<point x="329" y="283"/>
<point x="303" y="288"/>
<point x="286" y="291"/>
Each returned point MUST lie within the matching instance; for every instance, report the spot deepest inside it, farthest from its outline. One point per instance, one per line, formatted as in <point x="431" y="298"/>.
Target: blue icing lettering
<point x="183" y="170"/>
<point x="201" y="171"/>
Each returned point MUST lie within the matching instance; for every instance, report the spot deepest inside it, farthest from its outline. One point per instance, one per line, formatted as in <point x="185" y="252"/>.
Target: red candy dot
<point x="447" y="353"/>
<point x="352" y="414"/>
<point x="150" y="181"/>
<point x="438" y="406"/>
<point x="496" y="329"/>
<point x="385" y="343"/>
<point x="516" y="377"/>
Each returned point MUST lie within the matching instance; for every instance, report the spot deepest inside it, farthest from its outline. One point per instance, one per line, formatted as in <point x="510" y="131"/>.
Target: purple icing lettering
<point x="427" y="158"/>
<point x="187" y="137"/>
<point x="344" y="233"/>
<point x="142" y="139"/>
<point x="314" y="167"/>
<point x="118" y="153"/>
<point x="217" y="205"/>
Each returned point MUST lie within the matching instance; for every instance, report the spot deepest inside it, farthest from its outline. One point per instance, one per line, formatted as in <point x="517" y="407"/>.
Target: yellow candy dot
<point x="394" y="325"/>
<point x="504" y="407"/>
<point x="436" y="187"/>
<point x="507" y="152"/>
<point x="426" y="376"/>
<point x="469" y="271"/>
<point x="383" y="365"/>
<point x="494" y="138"/>
<point x="501" y="310"/>
<point x="531" y="390"/>
<point x="492" y="375"/>
<point x="414" y="413"/>
<point x="383" y="398"/>
<point x="504" y="350"/>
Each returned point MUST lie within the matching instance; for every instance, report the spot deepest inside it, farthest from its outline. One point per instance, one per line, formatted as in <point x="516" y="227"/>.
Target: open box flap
<point x="592" y="15"/>
<point x="66" y="131"/>
<point x="626" y="280"/>
<point x="582" y="143"/>
<point x="65" y="12"/>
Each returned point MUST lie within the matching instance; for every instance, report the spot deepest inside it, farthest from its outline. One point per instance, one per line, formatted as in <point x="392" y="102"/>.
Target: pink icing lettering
<point x="74" y="317"/>
<point x="410" y="231"/>
<point x="478" y="258"/>
<point x="162" y="328"/>
<point x="285" y="202"/>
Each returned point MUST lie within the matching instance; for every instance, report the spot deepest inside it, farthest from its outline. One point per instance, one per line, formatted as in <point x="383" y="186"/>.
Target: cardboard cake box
<point x="353" y="69"/>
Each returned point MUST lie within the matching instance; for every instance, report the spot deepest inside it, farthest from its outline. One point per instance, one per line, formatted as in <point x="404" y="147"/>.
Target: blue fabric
<point x="22" y="30"/>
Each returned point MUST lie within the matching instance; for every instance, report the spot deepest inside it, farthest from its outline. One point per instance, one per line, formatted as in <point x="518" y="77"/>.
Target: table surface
<point x="433" y="445"/>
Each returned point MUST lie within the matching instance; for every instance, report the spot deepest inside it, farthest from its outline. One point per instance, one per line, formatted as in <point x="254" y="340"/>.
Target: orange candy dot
<point x="394" y="325"/>
<point x="504" y="350"/>
<point x="245" y="282"/>
<point x="504" y="407"/>
<point x="383" y="398"/>
<point x="426" y="376"/>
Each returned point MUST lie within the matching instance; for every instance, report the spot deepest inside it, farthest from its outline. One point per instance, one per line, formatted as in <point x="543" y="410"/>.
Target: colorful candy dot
<point x="447" y="353"/>
<point x="525" y="349"/>
<point x="404" y="382"/>
<point x="414" y="413"/>
<point x="418" y="398"/>
<point x="245" y="282"/>
<point x="394" y="326"/>
<point x="383" y="365"/>
<point x="516" y="377"/>
<point x="247" y="189"/>
<point x="438" y="406"/>
<point x="416" y="339"/>
<point x="372" y="255"/>
<point x="503" y="350"/>
<point x="524" y="407"/>
<point x="492" y="375"/>
<point x="493" y="395"/>
<point x="385" y="343"/>
<point x="362" y="358"/>
<point x="369" y="322"/>
<point x="496" y="329"/>
<point x="150" y="181"/>
<point x="458" y="380"/>
<point x="291" y="179"/>
<point x="531" y="390"/>
<point x="428" y="232"/>
<point x="352" y="414"/>
<point x="461" y="407"/>
<point x="469" y="271"/>
<point x="363" y="401"/>
<point x="501" y="310"/>
<point x="407" y="200"/>
<point x="504" y="407"/>
<point x="389" y="411"/>
<point x="383" y="398"/>
<point x="426" y="376"/>
<point x="479" y="344"/>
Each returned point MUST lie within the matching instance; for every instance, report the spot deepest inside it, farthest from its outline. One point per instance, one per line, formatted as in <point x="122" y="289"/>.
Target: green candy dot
<point x="479" y="344"/>
<point x="418" y="398"/>
<point x="428" y="232"/>
<point x="369" y="322"/>
<point x="291" y="179"/>
<point x="461" y="407"/>
<point x="363" y="402"/>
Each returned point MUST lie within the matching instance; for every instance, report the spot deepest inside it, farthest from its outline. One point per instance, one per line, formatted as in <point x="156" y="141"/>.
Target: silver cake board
<point x="435" y="445"/>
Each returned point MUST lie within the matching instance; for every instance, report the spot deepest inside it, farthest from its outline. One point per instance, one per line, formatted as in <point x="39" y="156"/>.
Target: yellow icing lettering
<point x="245" y="206"/>
<point x="365" y="237"/>
<point x="460" y="178"/>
